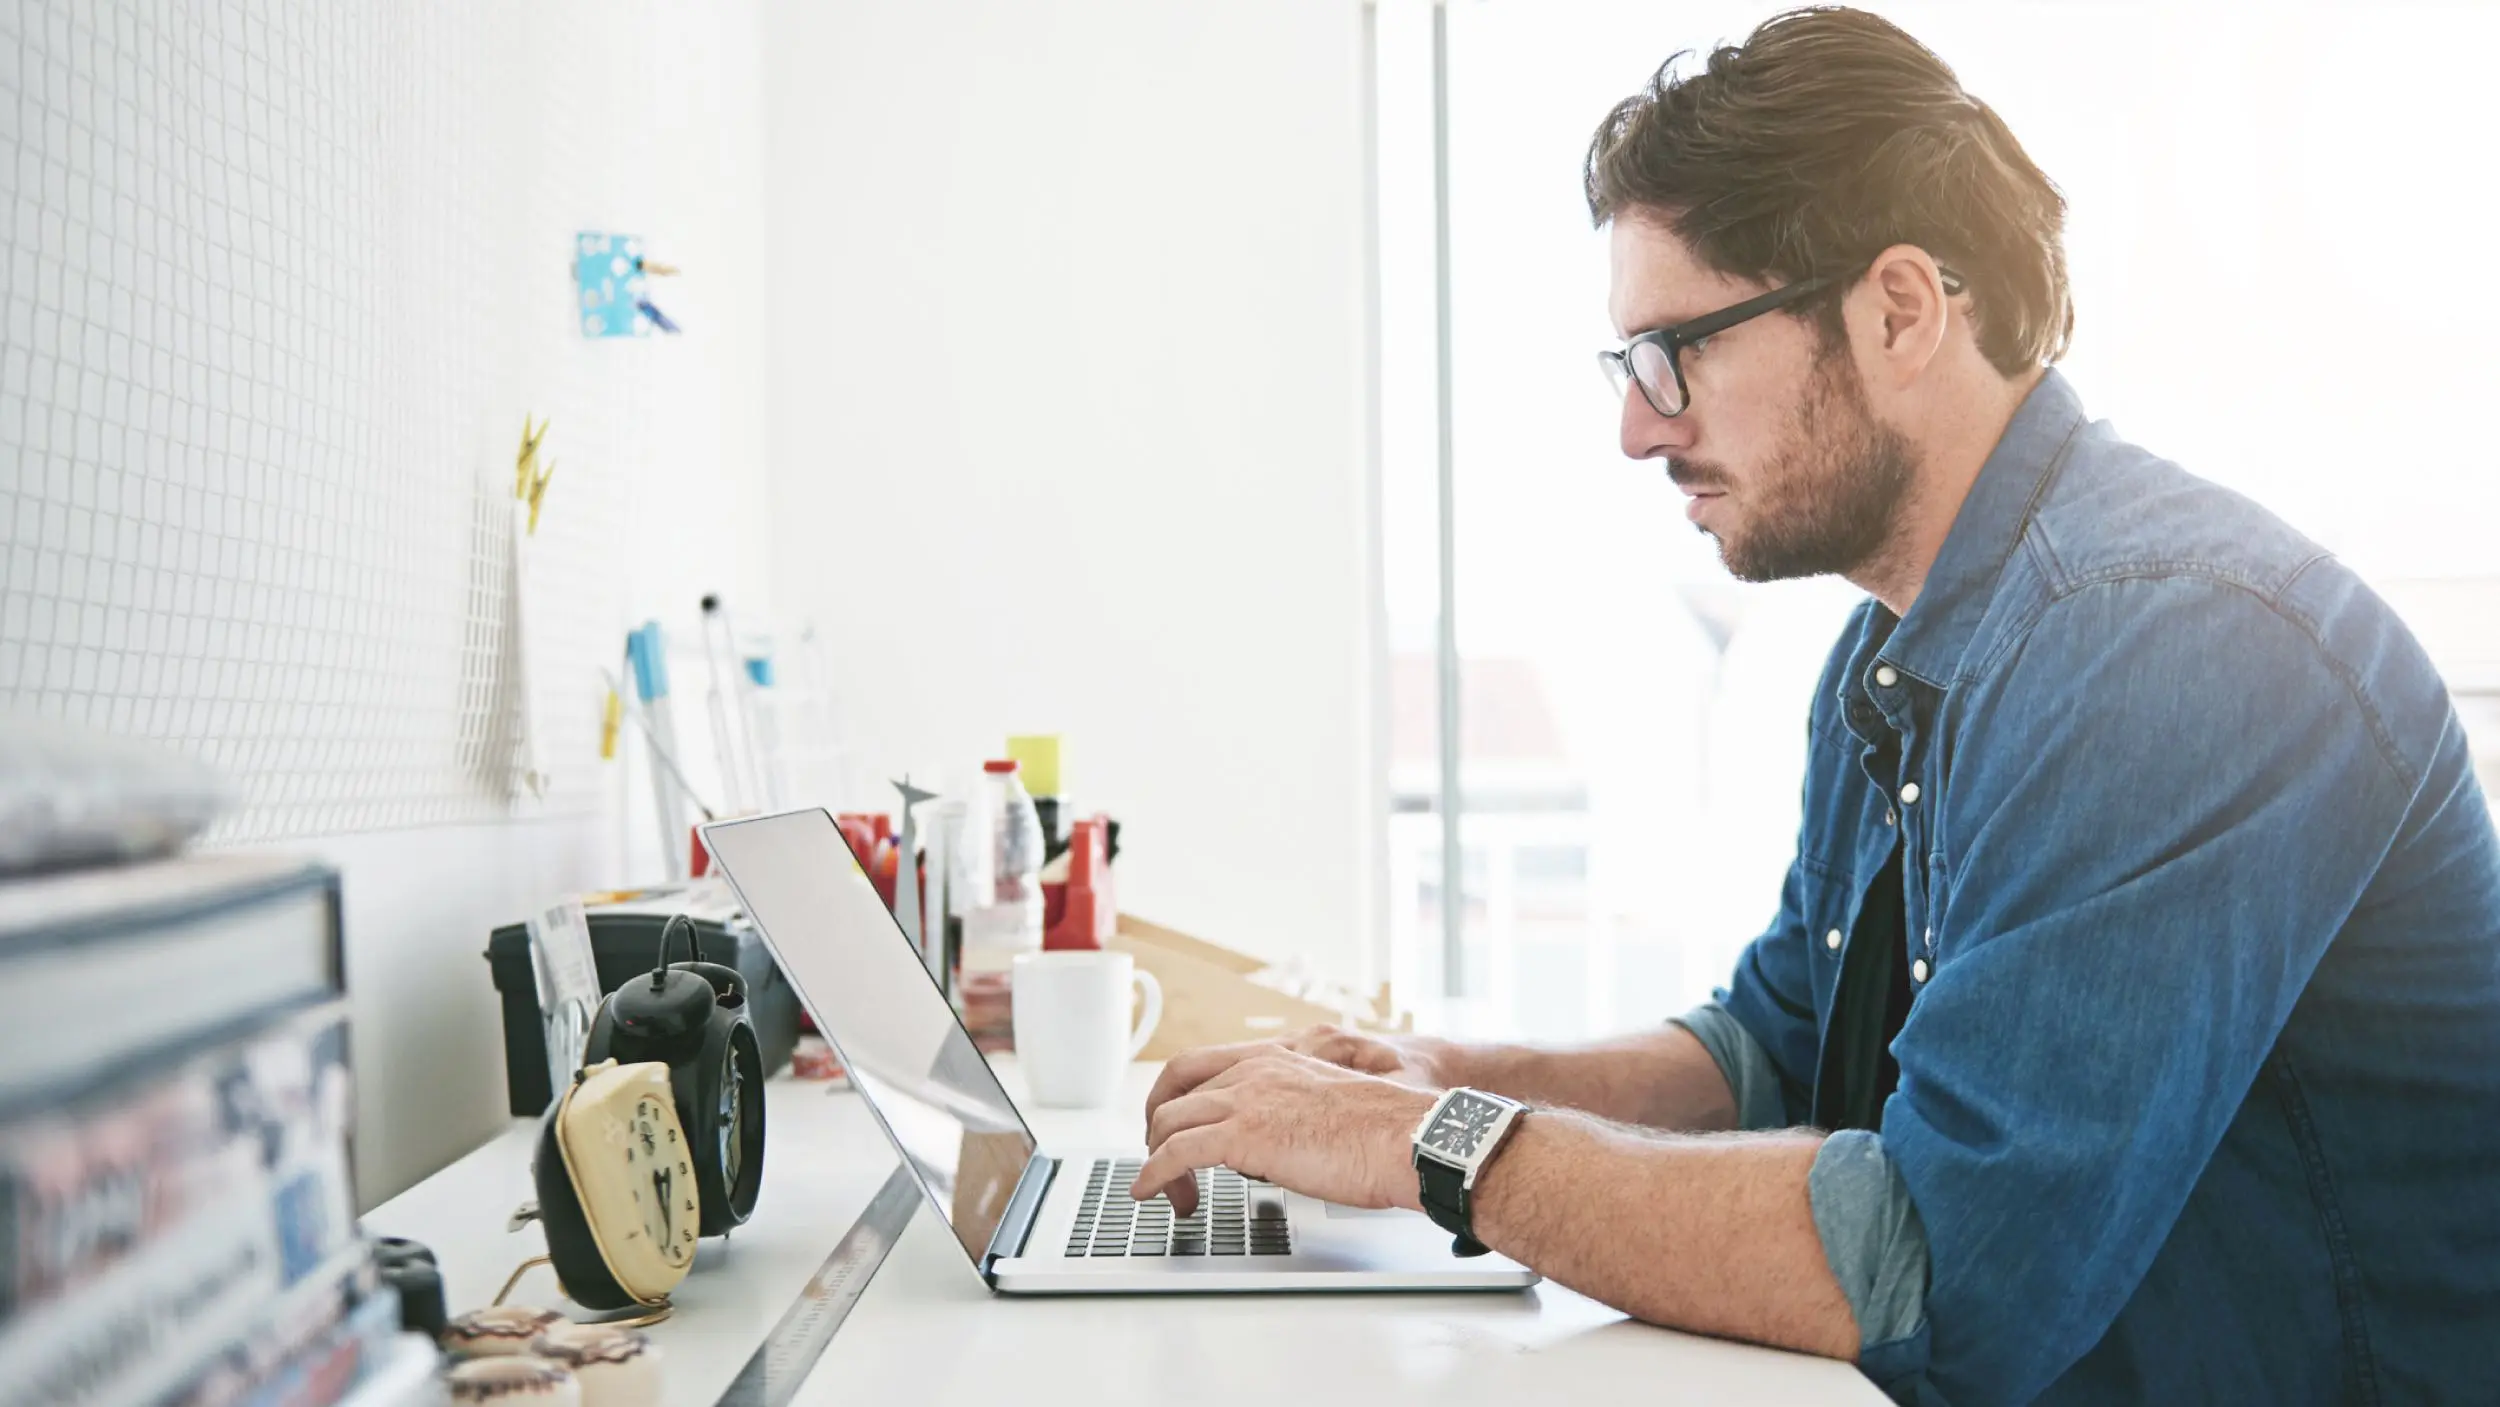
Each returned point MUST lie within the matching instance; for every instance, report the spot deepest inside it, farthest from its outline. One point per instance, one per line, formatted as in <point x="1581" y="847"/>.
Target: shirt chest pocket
<point x="1830" y="911"/>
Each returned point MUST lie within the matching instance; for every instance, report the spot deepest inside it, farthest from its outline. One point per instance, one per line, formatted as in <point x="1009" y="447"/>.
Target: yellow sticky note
<point x="1037" y="756"/>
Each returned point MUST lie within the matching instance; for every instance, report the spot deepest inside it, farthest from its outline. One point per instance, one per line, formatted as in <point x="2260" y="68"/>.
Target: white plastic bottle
<point x="1003" y="917"/>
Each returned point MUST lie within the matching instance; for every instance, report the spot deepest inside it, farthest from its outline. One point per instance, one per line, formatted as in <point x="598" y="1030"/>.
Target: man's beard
<point x="1828" y="501"/>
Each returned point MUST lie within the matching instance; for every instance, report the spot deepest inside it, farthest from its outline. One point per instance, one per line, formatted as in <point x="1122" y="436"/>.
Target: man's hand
<point x="1284" y="1117"/>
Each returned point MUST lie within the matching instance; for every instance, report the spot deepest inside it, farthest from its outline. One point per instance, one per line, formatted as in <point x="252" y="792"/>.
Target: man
<point x="2130" y="1026"/>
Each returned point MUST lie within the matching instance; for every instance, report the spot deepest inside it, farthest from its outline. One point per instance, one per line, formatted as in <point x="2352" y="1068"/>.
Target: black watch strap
<point x="1444" y="1195"/>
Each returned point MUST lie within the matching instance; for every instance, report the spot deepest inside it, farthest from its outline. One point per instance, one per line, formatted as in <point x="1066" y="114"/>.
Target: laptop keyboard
<point x="1236" y="1217"/>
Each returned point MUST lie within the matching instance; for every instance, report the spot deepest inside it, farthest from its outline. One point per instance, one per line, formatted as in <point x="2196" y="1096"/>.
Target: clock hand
<point x="668" y="1214"/>
<point x="732" y="1149"/>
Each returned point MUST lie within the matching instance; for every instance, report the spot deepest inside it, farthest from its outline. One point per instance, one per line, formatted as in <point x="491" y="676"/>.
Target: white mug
<point x="1072" y="1023"/>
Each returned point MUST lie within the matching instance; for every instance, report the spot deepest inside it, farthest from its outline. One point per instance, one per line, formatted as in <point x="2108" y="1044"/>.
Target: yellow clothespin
<point x="529" y="482"/>
<point x="528" y="460"/>
<point x="611" y="722"/>
<point x="538" y="494"/>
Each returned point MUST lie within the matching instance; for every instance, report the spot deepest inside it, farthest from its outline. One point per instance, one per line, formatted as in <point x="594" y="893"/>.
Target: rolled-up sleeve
<point x="1862" y="1211"/>
<point x="2141" y="887"/>
<point x="1751" y="1077"/>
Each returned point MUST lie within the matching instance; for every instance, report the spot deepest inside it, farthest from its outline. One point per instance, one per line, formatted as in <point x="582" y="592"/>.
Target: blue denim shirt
<point x="2199" y="1093"/>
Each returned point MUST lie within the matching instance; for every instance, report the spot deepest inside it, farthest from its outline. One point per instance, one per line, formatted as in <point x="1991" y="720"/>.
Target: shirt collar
<point x="1931" y="639"/>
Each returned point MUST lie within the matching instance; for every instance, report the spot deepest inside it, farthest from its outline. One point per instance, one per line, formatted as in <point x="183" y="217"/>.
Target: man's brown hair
<point x="1828" y="136"/>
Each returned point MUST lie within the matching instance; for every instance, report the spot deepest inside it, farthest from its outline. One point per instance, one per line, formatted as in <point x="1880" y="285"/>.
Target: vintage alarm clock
<point x="615" y="1171"/>
<point x="692" y="1017"/>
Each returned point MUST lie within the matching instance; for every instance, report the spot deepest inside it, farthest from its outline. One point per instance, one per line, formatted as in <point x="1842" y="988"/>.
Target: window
<point x="2274" y="237"/>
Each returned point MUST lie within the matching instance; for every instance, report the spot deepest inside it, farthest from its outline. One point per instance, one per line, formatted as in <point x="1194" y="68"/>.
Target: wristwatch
<point x="1452" y="1145"/>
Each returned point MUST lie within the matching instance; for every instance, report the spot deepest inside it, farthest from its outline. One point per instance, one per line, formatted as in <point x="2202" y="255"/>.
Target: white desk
<point x="928" y="1331"/>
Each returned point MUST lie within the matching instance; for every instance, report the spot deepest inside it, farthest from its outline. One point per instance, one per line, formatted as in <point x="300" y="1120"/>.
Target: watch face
<point x="1459" y="1130"/>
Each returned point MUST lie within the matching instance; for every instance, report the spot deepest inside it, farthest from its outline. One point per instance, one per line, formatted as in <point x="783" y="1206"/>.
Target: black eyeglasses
<point x="1655" y="359"/>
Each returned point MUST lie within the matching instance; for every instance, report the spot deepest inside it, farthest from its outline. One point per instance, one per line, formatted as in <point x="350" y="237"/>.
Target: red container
<point x="1082" y="913"/>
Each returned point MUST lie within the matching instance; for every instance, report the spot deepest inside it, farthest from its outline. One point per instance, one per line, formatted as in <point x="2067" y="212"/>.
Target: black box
<point x="625" y="942"/>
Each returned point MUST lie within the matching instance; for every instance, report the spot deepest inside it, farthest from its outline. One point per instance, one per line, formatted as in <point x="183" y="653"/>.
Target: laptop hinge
<point x="1024" y="1208"/>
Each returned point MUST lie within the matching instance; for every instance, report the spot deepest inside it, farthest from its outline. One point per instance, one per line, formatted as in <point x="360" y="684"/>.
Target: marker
<point x="647" y="650"/>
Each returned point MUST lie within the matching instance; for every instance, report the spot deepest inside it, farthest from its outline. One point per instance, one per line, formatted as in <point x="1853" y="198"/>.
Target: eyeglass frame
<point x="1616" y="362"/>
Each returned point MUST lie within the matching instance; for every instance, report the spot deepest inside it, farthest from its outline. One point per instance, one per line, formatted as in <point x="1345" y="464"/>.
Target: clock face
<point x="1460" y="1128"/>
<point x="662" y="1179"/>
<point x="626" y="1159"/>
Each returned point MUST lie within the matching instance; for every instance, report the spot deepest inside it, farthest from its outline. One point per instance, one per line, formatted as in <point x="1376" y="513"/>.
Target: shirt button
<point x="1886" y="676"/>
<point x="1918" y="970"/>
<point x="1831" y="940"/>
<point x="1909" y="793"/>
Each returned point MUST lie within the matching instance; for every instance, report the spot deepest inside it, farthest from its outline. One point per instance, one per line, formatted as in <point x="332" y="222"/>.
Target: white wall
<point x="1069" y="420"/>
<point x="568" y="116"/>
<point x="673" y="129"/>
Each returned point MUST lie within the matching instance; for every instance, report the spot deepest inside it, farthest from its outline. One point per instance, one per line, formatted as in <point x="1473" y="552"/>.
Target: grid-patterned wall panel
<point x="280" y="279"/>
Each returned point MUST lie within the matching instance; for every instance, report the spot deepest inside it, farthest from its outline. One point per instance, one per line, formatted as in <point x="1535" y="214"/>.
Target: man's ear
<point x="1899" y="313"/>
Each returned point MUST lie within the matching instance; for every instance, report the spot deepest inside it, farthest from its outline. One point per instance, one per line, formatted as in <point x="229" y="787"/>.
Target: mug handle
<point x="1152" y="990"/>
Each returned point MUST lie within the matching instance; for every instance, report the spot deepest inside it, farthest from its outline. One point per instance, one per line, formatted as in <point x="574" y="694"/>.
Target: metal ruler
<point x="772" y="1377"/>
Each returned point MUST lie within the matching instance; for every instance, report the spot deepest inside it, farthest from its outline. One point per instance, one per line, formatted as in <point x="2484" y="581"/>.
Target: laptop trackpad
<point x="1338" y="1211"/>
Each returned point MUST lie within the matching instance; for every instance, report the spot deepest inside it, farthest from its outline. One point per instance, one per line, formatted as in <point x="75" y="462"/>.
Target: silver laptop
<point x="1037" y="1222"/>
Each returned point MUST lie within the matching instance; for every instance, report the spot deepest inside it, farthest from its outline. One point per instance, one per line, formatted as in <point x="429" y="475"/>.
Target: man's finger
<point x="1173" y="1168"/>
<point x="1314" y="1040"/>
<point x="1191" y="1068"/>
<point x="1375" y="1058"/>
<point x="1199" y="1106"/>
<point x="1332" y="1045"/>
<point x="1183" y="1195"/>
<point x="1367" y="1056"/>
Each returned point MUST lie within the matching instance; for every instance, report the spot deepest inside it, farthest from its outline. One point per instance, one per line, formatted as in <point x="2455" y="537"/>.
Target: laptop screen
<point x="897" y="1034"/>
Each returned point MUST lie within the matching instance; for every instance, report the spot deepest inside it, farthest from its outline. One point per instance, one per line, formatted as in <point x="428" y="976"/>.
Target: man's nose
<point x="1646" y="433"/>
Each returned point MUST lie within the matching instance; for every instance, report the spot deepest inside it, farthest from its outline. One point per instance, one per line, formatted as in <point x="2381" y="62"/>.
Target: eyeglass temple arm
<point x="1755" y="307"/>
<point x="1751" y="308"/>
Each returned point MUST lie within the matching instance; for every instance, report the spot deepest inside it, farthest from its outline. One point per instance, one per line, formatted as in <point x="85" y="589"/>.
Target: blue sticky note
<point x="607" y="272"/>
